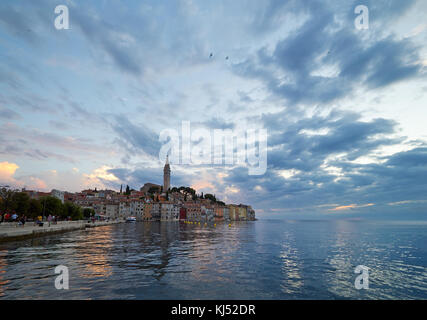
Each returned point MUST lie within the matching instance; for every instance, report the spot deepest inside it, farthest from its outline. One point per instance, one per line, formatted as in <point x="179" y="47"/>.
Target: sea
<point x="257" y="260"/>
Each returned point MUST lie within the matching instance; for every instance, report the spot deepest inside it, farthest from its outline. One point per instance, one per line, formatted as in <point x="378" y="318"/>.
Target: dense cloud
<point x="97" y="95"/>
<point x="323" y="61"/>
<point x="136" y="138"/>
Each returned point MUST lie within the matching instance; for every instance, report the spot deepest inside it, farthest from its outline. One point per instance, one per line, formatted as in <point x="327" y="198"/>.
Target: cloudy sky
<point x="344" y="109"/>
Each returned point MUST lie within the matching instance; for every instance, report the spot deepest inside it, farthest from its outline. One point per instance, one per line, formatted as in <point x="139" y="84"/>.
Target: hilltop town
<point x="153" y="202"/>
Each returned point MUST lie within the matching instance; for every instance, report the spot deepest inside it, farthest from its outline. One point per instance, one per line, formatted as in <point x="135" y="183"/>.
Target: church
<point x="166" y="176"/>
<point x="166" y="180"/>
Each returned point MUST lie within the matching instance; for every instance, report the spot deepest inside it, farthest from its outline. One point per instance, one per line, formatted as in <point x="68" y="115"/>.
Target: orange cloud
<point x="351" y="206"/>
<point x="96" y="178"/>
<point x="36" y="183"/>
<point x="198" y="185"/>
<point x="7" y="170"/>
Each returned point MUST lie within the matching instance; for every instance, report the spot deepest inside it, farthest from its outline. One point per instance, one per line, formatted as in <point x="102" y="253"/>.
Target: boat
<point x="131" y="219"/>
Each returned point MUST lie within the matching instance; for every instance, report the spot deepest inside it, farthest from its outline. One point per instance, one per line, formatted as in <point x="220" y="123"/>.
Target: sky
<point x="344" y="108"/>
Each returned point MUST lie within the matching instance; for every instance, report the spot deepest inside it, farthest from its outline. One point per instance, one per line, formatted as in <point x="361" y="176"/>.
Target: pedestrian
<point x="49" y="219"/>
<point x="23" y="220"/>
<point x="39" y="221"/>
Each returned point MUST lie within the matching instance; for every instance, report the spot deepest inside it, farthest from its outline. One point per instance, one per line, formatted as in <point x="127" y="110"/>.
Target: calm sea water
<point x="265" y="259"/>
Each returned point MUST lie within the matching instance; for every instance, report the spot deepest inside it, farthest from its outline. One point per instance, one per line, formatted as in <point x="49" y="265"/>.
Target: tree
<point x="20" y="203"/>
<point x="127" y="190"/>
<point x="210" y="197"/>
<point x="35" y="209"/>
<point x="152" y="190"/>
<point x="6" y="196"/>
<point x="73" y="211"/>
<point x="88" y="212"/>
<point x="52" y="206"/>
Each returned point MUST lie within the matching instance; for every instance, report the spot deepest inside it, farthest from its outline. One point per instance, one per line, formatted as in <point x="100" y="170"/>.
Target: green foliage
<point x="20" y="203"/>
<point x="210" y="197"/>
<point x="51" y="206"/>
<point x="153" y="189"/>
<point x="127" y="190"/>
<point x="35" y="209"/>
<point x="6" y="199"/>
<point x="88" y="212"/>
<point x="73" y="211"/>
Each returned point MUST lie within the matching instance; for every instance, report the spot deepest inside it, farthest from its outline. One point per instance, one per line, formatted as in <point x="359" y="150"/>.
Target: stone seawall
<point x="13" y="231"/>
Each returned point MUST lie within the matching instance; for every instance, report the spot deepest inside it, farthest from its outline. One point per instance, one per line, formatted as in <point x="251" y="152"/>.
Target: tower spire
<point x="166" y="175"/>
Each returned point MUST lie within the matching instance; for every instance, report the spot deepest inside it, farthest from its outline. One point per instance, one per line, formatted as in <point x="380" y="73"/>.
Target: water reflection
<point x="253" y="260"/>
<point x="3" y="281"/>
<point x="292" y="264"/>
<point x="93" y="255"/>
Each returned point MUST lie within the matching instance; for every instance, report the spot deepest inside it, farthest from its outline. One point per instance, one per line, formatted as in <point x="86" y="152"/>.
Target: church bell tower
<point x="166" y="176"/>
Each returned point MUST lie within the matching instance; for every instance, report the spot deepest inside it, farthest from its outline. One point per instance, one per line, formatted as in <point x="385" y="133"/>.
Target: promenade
<point x="11" y="231"/>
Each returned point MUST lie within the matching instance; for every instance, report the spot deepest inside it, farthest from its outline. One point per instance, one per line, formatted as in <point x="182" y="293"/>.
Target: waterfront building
<point x="226" y="213"/>
<point x="242" y="212"/>
<point x="169" y="211"/>
<point x="207" y="213"/>
<point x="219" y="212"/>
<point x="193" y="210"/>
<point x="137" y="209"/>
<point x="99" y="208"/>
<point x="58" y="194"/>
<point x="155" y="211"/>
<point x="124" y="209"/>
<point x="233" y="212"/>
<point x="147" y="211"/>
<point x="112" y="211"/>
<point x="182" y="213"/>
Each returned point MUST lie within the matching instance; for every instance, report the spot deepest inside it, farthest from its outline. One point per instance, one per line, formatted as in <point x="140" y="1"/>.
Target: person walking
<point x="15" y="219"/>
<point x="23" y="220"/>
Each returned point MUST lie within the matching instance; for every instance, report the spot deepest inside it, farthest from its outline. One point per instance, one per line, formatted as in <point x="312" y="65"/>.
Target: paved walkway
<point x="13" y="231"/>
